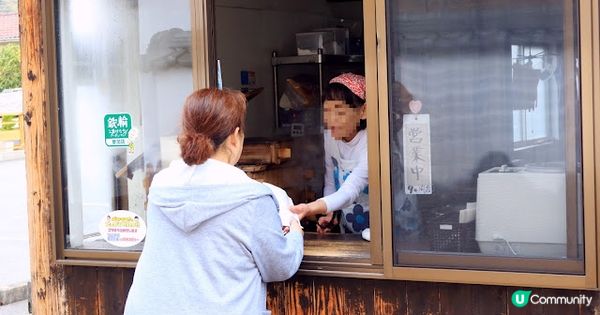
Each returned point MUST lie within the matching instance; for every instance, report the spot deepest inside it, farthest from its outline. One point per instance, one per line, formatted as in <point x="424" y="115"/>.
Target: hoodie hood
<point x="189" y="206"/>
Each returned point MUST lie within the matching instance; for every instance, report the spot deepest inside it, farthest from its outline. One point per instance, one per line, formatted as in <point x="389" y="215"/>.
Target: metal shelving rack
<point x="318" y="59"/>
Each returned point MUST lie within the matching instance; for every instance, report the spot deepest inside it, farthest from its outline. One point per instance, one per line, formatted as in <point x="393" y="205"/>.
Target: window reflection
<point x="118" y="57"/>
<point x="498" y="86"/>
<point x="535" y="87"/>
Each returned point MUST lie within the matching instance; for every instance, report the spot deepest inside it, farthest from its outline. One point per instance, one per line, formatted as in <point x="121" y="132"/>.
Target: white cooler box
<point x="521" y="212"/>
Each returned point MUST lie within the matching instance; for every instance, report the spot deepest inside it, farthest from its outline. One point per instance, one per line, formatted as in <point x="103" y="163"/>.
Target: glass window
<point x="488" y="174"/>
<point x="125" y="68"/>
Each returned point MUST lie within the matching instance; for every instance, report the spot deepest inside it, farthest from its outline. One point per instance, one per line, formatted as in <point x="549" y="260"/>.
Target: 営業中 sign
<point x="417" y="154"/>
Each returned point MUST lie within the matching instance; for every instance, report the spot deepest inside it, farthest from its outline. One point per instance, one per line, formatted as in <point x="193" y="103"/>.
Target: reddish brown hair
<point x="209" y="117"/>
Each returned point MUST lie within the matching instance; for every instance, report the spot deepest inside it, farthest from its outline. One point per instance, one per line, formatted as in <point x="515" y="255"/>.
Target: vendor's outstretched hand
<point x="301" y="209"/>
<point x="304" y="210"/>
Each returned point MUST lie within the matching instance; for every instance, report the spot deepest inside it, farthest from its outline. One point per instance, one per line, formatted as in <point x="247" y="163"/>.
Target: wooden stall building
<point x="491" y="189"/>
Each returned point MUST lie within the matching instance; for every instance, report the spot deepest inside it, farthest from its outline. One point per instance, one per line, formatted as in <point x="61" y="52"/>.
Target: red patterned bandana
<point x="354" y="82"/>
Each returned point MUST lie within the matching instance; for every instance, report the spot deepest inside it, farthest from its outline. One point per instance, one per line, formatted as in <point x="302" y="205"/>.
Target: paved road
<point x="18" y="308"/>
<point x="14" y="244"/>
<point x="11" y="101"/>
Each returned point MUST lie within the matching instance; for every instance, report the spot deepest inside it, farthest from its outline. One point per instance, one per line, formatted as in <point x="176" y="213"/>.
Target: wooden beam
<point x="47" y="289"/>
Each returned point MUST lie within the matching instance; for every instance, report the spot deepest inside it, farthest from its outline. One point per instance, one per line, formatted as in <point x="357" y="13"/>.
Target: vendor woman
<point x="346" y="164"/>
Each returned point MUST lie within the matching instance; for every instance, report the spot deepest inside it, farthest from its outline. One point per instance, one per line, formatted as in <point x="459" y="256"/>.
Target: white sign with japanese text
<point x="417" y="154"/>
<point x="122" y="228"/>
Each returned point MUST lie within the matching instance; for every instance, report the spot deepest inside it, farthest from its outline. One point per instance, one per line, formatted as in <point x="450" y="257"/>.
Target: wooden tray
<point x="266" y="153"/>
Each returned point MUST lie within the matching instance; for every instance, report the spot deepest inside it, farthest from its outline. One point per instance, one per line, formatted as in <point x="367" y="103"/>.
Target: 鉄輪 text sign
<point x="116" y="129"/>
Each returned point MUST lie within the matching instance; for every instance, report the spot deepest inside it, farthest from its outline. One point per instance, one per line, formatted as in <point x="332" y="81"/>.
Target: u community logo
<point x="521" y="298"/>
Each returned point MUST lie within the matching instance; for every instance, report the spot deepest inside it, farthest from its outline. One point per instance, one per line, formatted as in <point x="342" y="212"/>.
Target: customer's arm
<point x="277" y="256"/>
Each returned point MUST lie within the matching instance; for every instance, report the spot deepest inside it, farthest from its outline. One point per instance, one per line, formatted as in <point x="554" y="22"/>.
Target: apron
<point x="355" y="217"/>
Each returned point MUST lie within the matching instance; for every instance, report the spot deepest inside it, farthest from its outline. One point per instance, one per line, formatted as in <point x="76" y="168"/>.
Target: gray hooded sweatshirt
<point x="210" y="249"/>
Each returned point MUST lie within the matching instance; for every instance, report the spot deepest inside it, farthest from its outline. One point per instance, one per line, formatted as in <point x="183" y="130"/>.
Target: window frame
<point x="94" y="257"/>
<point x="380" y="263"/>
<point x="589" y="279"/>
<point x="479" y="262"/>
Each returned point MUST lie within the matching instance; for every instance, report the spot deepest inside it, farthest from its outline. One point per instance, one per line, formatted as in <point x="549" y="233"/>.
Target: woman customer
<point x="214" y="236"/>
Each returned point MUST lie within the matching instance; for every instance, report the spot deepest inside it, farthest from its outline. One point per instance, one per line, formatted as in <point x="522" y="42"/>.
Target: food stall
<point x="489" y="190"/>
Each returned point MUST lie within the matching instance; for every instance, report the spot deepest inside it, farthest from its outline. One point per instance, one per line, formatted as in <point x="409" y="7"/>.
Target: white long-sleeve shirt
<point x="357" y="181"/>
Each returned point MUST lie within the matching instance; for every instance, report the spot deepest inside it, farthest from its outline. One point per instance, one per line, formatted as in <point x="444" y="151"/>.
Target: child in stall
<point x="346" y="164"/>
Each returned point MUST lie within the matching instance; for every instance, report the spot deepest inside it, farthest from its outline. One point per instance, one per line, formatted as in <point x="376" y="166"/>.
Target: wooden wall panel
<point x="489" y="300"/>
<point x="299" y="297"/>
<point x="97" y="291"/>
<point x="360" y="300"/>
<point x="82" y="290"/>
<point x="328" y="300"/>
<point x="594" y="307"/>
<point x="100" y="291"/>
<point x="276" y="300"/>
<point x="128" y="279"/>
<point x="422" y="298"/>
<point x="112" y="291"/>
<point x="359" y="296"/>
<point x="456" y="299"/>
<point x="389" y="297"/>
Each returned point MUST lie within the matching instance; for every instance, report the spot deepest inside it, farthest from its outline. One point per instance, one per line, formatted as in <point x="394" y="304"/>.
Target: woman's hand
<point x="295" y="226"/>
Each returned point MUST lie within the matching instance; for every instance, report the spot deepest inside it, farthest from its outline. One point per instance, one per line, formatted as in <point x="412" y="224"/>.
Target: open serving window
<point x="480" y="126"/>
<point x="287" y="61"/>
